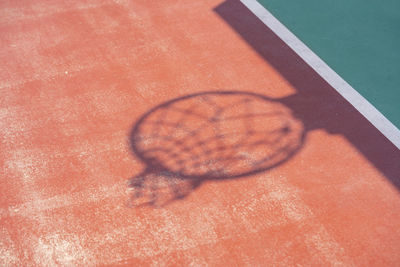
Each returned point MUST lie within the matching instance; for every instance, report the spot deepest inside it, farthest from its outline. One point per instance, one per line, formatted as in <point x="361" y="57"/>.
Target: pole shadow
<point x="316" y="103"/>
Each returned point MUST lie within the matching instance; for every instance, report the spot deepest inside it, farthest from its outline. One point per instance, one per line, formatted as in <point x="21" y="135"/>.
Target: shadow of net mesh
<point x="210" y="136"/>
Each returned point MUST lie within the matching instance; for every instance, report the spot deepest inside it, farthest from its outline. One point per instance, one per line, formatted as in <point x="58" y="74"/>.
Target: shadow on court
<point x="209" y="136"/>
<point x="229" y="134"/>
<point x="316" y="103"/>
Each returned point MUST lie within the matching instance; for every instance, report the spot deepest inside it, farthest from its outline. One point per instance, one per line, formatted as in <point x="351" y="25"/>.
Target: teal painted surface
<point x="359" y="39"/>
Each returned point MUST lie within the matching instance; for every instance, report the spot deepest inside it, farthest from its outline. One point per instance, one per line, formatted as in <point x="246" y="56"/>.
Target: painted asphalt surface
<point x="358" y="39"/>
<point x="363" y="106"/>
<point x="112" y="155"/>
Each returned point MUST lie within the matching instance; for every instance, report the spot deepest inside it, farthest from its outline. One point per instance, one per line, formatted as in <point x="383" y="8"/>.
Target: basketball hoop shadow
<point x="209" y="136"/>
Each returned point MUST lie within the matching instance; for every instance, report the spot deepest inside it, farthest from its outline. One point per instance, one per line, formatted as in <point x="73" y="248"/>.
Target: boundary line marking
<point x="388" y="129"/>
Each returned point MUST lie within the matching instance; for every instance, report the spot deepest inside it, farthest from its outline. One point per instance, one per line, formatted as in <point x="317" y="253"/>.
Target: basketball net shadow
<point x="209" y="136"/>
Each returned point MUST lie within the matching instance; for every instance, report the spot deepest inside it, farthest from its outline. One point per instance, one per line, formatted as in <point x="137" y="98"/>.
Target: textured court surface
<point x="96" y="95"/>
<point x="359" y="39"/>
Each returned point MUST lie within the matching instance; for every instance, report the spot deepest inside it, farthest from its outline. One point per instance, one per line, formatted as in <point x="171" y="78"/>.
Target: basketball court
<point x="191" y="133"/>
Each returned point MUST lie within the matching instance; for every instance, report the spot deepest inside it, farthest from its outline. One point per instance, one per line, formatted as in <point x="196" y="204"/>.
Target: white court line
<point x="330" y="76"/>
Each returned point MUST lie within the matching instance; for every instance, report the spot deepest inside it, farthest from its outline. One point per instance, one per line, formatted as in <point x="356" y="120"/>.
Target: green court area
<point x="359" y="40"/>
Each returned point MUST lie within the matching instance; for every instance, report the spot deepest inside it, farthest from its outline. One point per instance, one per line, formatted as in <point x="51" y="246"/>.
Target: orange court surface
<point x="181" y="133"/>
